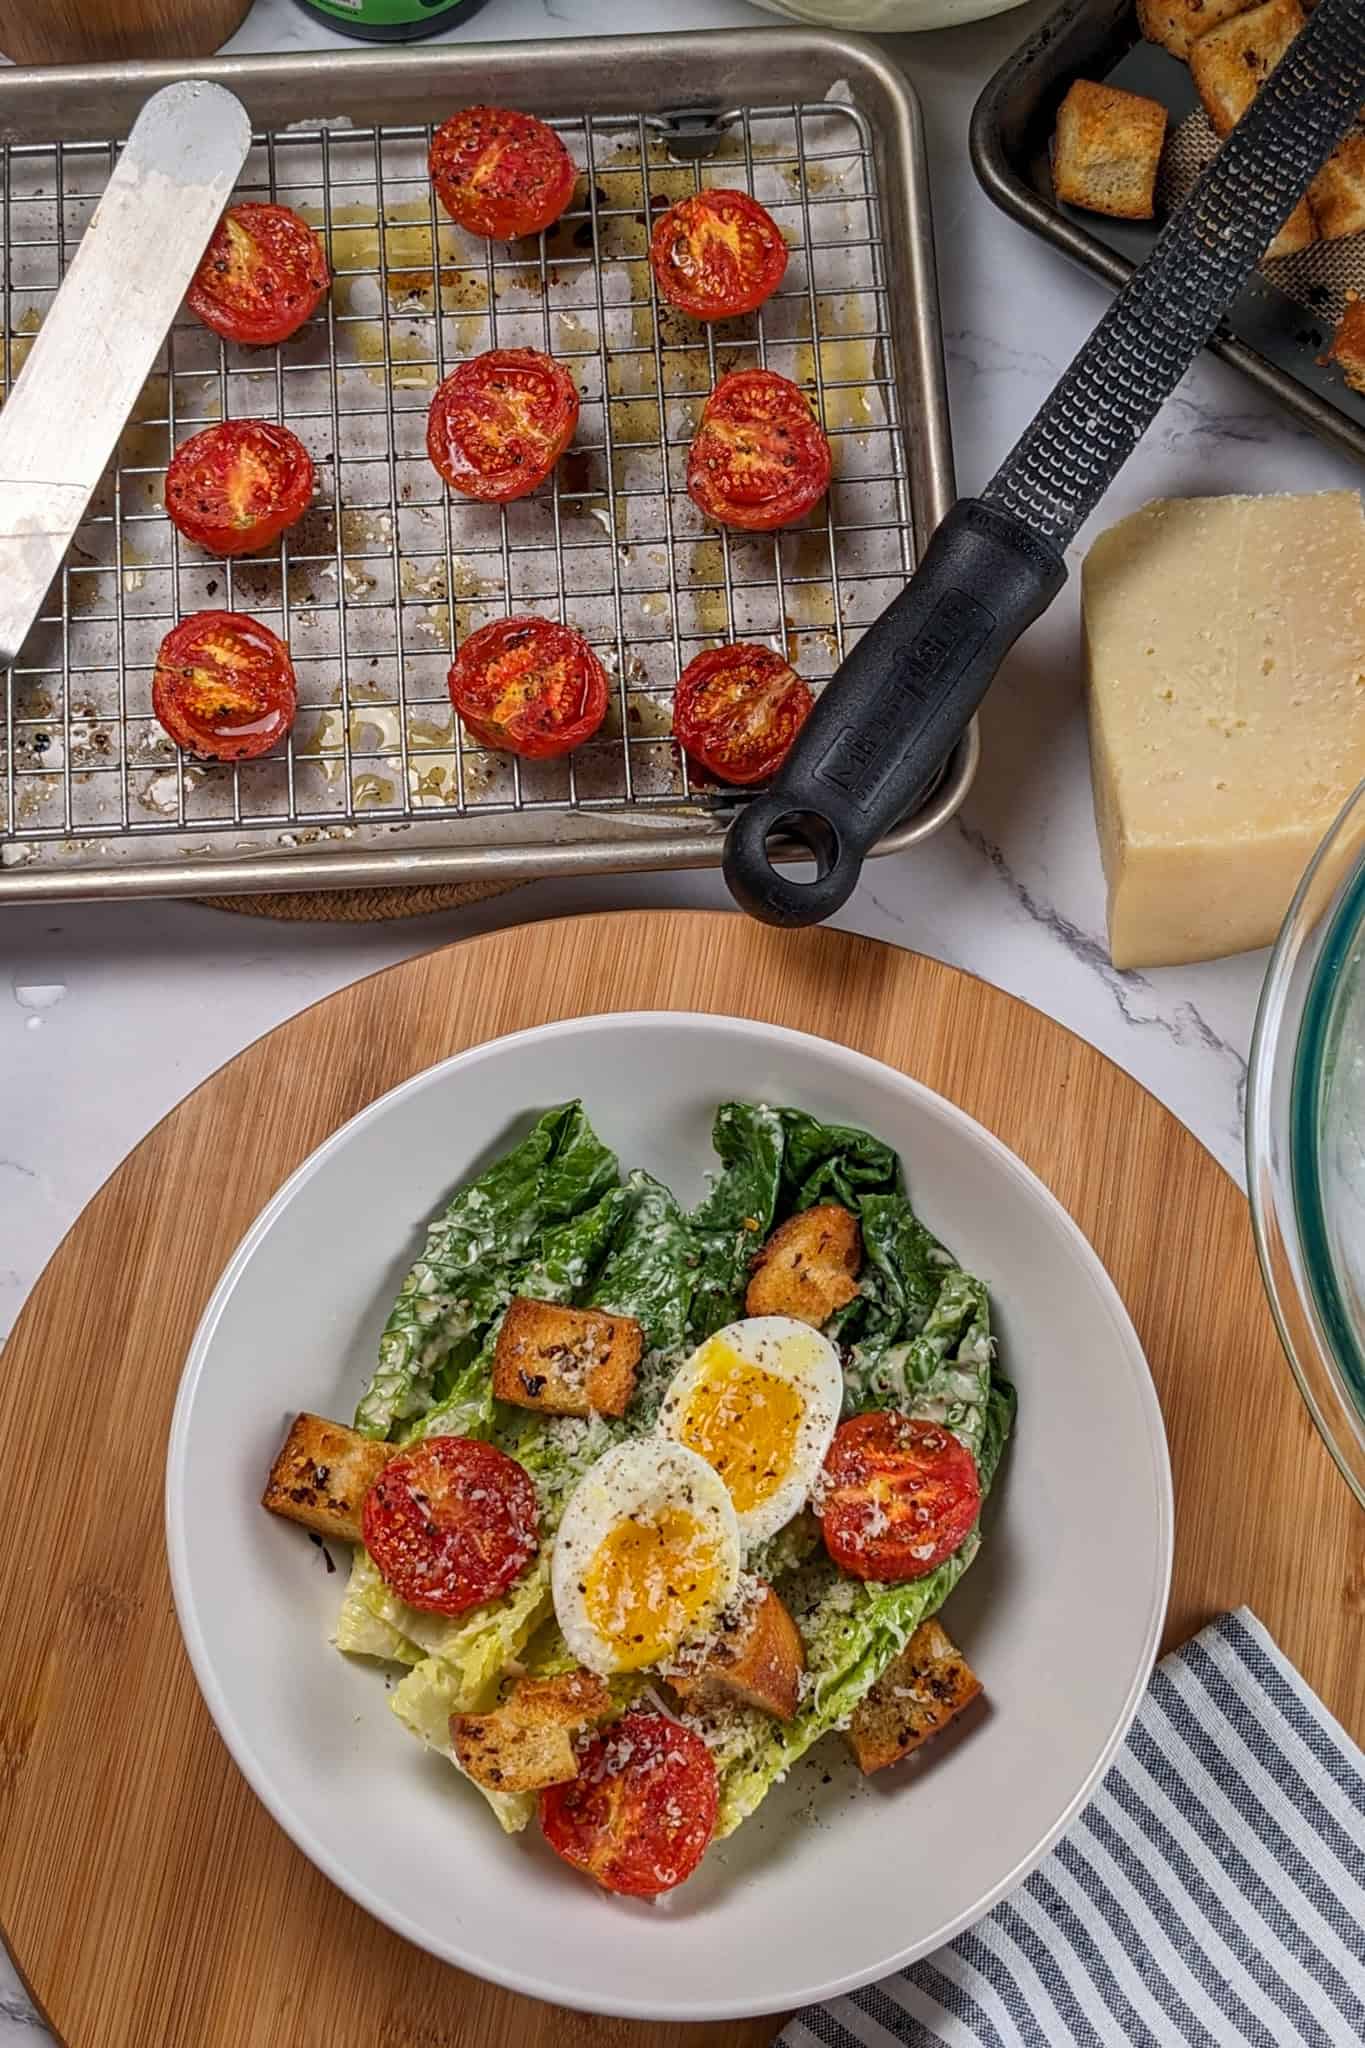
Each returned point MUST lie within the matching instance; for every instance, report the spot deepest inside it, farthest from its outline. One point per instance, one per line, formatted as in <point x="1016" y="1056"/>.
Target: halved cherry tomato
<point x="897" y="1496"/>
<point x="263" y="274"/>
<point x="500" y="422"/>
<point x="717" y="254"/>
<point x="642" y="1809"/>
<point x="761" y="458"/>
<point x="530" y="687"/>
<point x="238" y="485"/>
<point x="224" y="686"/>
<point x="736" y="711"/>
<point x="499" y="173"/>
<point x="451" y="1523"/>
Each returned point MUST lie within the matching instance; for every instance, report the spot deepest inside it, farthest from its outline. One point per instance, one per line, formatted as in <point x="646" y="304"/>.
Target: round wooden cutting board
<point x="149" y="1900"/>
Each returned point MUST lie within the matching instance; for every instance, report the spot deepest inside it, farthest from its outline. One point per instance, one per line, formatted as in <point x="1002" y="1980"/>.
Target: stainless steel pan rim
<point x="627" y="81"/>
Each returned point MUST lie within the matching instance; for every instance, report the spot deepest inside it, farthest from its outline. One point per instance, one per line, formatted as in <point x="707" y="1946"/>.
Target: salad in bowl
<point x="646" y="1500"/>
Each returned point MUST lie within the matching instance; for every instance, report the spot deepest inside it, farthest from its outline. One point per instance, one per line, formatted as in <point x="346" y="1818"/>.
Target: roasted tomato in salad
<point x="717" y="254"/>
<point x="451" y="1523"/>
<point x="898" y="1496"/>
<point x="736" y="711"/>
<point x="224" y="686"/>
<point x="263" y="274"/>
<point x="499" y="173"/>
<point x="529" y="686"/>
<point x="236" y="486"/>
<point x="761" y="458"/>
<point x="500" y="422"/>
<point x="642" y="1809"/>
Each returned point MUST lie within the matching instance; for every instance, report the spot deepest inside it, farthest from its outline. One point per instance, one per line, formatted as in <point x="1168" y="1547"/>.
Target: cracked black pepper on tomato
<point x="263" y="274"/>
<point x="236" y="487"/>
<point x="500" y="422"/>
<point x="224" y="686"/>
<point x="499" y="173"/>
<point x="760" y="459"/>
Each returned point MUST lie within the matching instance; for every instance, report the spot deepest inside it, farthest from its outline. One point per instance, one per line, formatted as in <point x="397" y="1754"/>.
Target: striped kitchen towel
<point x="1212" y="1893"/>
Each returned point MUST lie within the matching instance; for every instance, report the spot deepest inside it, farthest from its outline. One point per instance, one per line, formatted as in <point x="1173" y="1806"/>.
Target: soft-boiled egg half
<point x="759" y="1401"/>
<point x="647" y="1553"/>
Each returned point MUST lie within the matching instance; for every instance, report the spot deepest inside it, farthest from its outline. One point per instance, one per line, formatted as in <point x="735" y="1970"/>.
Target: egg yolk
<point x="744" y="1422"/>
<point x="650" y="1583"/>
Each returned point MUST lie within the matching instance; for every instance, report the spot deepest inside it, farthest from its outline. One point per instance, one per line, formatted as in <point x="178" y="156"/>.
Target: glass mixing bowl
<point x="1306" y="1138"/>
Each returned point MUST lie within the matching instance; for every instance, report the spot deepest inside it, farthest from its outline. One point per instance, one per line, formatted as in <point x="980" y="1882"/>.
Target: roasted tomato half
<point x="224" y="686"/>
<point x="500" y="422"/>
<point x="500" y="174"/>
<point x="717" y="254"/>
<point x="529" y="686"/>
<point x="263" y="274"/>
<point x="451" y="1523"/>
<point x="897" y="1496"/>
<point x="761" y="458"/>
<point x="736" y="711"/>
<point x="235" y="487"/>
<point x="642" y="1809"/>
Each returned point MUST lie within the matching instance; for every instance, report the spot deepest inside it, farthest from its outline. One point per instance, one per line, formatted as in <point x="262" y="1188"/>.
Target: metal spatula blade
<point x="92" y="355"/>
<point x="889" y="718"/>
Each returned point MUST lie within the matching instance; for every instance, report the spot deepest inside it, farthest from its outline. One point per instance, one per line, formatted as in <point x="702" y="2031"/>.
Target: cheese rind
<point x="1225" y="659"/>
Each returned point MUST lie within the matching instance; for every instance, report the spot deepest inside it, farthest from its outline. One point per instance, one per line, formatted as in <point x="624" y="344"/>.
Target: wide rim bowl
<point x="1124" y="1552"/>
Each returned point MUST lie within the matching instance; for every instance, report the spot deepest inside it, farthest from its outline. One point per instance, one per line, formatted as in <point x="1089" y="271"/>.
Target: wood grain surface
<point x="149" y="1900"/>
<point x="73" y="31"/>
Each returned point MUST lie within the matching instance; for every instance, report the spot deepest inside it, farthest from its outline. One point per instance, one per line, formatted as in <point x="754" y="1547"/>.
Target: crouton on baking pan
<point x="1107" y="151"/>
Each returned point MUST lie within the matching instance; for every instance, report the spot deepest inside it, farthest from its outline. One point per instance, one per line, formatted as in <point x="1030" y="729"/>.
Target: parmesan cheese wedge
<point x="1225" y="657"/>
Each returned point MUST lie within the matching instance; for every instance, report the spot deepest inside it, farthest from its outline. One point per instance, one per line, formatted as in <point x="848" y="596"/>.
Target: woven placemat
<point x="359" y="906"/>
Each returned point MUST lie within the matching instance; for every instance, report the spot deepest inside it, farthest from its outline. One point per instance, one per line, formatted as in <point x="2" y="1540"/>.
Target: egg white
<point x="638" y="1481"/>
<point x="806" y="1366"/>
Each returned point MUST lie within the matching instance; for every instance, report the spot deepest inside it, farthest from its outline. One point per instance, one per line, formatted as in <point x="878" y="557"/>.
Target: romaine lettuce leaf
<point x="359" y="1630"/>
<point x="563" y="1264"/>
<point x="462" y="1276"/>
<point x="943" y="1374"/>
<point x="477" y="1647"/>
<point x="732" y="1221"/>
<point x="649" y="1273"/>
<point x="424" y="1703"/>
<point x="832" y="1163"/>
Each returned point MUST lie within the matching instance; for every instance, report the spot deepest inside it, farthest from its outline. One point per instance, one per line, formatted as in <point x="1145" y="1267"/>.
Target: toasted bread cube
<point x="925" y="1688"/>
<point x="1108" y="149"/>
<point x="1298" y="232"/>
<point x="1348" y="343"/>
<point x="566" y="1361"/>
<point x="758" y="1659"/>
<point x="527" y="1742"/>
<point x="1231" y="63"/>
<point x="322" y="1475"/>
<point x="809" y="1266"/>
<point x="1175" y="24"/>
<point x="1338" y="191"/>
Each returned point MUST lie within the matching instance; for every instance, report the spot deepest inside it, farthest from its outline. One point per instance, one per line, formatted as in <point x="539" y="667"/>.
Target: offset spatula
<point x="93" y="352"/>
<point x="887" y="721"/>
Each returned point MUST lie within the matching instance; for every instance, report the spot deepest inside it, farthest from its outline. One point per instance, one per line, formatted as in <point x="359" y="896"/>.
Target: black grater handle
<point x="889" y="719"/>
<point x="873" y="746"/>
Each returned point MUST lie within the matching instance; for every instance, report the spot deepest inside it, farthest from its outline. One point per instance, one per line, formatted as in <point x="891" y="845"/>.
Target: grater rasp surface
<point x="1070" y="453"/>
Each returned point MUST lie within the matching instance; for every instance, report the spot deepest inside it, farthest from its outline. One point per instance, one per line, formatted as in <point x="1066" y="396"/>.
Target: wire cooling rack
<point x="388" y="571"/>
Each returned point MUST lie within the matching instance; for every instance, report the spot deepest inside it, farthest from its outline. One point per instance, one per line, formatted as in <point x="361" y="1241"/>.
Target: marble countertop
<point x="110" y="1013"/>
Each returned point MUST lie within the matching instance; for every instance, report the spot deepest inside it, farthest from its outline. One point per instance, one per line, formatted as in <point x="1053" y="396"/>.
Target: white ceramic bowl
<point x="831" y="1884"/>
<point x="888" y="17"/>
